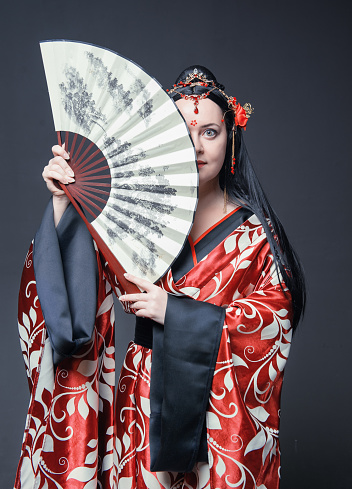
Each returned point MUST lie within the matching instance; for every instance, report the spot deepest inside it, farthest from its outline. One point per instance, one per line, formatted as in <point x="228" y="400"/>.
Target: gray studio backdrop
<point x="289" y="60"/>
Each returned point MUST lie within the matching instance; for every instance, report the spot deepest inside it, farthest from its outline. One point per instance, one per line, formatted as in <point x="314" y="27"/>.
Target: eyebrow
<point x="210" y="124"/>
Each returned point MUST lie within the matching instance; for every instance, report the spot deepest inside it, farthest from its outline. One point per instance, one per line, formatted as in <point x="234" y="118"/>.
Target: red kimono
<point x="73" y="437"/>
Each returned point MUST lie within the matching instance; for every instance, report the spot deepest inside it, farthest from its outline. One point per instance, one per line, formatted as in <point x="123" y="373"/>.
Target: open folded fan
<point x="135" y="167"/>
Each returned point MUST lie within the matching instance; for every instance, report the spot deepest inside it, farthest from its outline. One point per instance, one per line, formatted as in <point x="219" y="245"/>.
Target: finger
<point x="54" y="188"/>
<point x="51" y="176"/>
<point x="142" y="313"/>
<point x="60" y="151"/>
<point x="55" y="172"/>
<point x="59" y="160"/>
<point x="132" y="297"/>
<point x="140" y="282"/>
<point x="59" y="177"/>
<point x="140" y="305"/>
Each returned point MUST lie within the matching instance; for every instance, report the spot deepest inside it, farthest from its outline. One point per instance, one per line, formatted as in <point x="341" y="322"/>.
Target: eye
<point x="210" y="133"/>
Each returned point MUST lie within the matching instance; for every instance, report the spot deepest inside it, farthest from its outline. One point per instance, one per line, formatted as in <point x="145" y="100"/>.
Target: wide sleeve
<point x="258" y="335"/>
<point x="70" y="423"/>
<point x="184" y="354"/>
<point x="244" y="404"/>
<point x="66" y="272"/>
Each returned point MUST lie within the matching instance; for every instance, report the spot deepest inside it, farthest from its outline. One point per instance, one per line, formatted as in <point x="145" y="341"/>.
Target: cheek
<point x="220" y="149"/>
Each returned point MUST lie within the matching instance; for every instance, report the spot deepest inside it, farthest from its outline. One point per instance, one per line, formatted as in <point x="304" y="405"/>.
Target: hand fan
<point x="135" y="167"/>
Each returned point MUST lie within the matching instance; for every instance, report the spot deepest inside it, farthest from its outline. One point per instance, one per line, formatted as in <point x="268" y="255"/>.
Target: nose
<point x="198" y="145"/>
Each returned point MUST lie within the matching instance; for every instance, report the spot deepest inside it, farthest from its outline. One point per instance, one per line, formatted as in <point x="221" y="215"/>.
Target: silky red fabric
<point x="244" y="402"/>
<point x="70" y="421"/>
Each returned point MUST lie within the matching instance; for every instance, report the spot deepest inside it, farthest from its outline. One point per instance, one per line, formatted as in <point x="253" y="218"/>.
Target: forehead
<point x="208" y="111"/>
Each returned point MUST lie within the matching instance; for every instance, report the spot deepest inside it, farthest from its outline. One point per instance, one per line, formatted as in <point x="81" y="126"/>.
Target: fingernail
<point x="126" y="274"/>
<point x="121" y="298"/>
<point x="71" y="180"/>
<point x="69" y="172"/>
<point x="66" y="156"/>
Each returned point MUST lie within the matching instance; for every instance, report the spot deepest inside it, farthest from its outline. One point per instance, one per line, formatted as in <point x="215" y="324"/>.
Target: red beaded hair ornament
<point x="240" y="114"/>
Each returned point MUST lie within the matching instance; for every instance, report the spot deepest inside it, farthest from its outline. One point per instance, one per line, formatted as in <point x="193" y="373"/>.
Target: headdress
<point x="196" y="78"/>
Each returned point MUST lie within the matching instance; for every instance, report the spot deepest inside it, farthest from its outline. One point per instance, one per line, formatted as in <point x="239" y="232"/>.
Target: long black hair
<point x="244" y="188"/>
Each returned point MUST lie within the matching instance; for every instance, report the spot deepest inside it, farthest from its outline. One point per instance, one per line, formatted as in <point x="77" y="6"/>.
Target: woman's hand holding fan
<point x="150" y="304"/>
<point x="58" y="170"/>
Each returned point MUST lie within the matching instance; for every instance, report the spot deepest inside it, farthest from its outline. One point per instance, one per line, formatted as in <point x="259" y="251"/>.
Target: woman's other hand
<point x="58" y="169"/>
<point x="149" y="304"/>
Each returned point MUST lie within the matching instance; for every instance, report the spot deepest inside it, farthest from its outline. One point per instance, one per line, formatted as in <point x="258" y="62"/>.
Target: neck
<point x="210" y="196"/>
<point x="210" y="209"/>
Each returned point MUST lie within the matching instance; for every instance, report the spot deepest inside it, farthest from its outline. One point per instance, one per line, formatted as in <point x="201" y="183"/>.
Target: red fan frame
<point x="82" y="192"/>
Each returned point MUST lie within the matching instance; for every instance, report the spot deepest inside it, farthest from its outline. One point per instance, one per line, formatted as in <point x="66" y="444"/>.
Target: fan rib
<point x="82" y="199"/>
<point x="87" y="160"/>
<point x="66" y="141"/>
<point x="96" y="190"/>
<point x="79" y="149"/>
<point x="84" y="154"/>
<point x="83" y="178"/>
<point x="72" y="149"/>
<point x="100" y="184"/>
<point x="95" y="163"/>
<point x="91" y="194"/>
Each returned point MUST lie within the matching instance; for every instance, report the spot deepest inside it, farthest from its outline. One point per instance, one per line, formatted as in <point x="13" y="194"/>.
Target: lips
<point x="200" y="163"/>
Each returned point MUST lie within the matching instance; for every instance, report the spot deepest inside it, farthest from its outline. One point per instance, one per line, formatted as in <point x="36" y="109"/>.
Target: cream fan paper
<point x="111" y="101"/>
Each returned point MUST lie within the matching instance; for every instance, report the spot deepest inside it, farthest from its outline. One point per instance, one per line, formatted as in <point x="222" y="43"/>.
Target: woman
<point x="219" y="326"/>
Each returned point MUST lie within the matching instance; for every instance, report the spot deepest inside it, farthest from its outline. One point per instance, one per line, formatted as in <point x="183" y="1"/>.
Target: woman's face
<point x="209" y="137"/>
